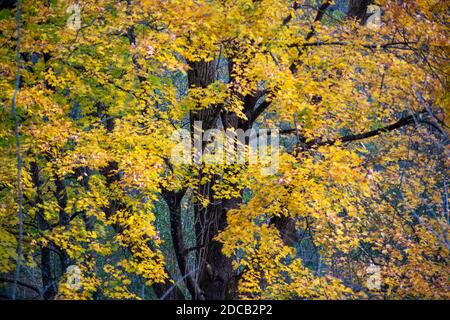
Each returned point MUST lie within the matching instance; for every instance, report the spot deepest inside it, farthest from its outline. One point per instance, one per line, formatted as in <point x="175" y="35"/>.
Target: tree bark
<point x="48" y="285"/>
<point x="215" y="272"/>
<point x="357" y="9"/>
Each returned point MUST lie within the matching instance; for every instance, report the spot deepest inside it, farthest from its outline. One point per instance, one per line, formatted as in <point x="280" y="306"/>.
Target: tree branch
<point x="173" y="200"/>
<point x="19" y="157"/>
<point x="167" y="290"/>
<point x="320" y="13"/>
<point x="288" y="19"/>
<point x="368" y="46"/>
<point x="404" y="121"/>
<point x="23" y="284"/>
<point x="259" y="110"/>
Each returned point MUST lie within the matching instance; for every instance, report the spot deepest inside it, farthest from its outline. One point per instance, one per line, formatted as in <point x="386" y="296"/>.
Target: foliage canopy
<point x="363" y="165"/>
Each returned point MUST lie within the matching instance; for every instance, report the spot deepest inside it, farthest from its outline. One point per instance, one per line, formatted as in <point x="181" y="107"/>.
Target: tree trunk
<point x="357" y="9"/>
<point x="212" y="276"/>
<point x="48" y="285"/>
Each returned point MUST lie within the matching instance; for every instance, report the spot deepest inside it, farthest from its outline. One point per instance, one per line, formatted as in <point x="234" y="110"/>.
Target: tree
<point x="361" y="182"/>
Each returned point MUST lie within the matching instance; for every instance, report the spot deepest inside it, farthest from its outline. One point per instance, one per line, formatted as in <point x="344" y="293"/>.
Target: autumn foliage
<point x="358" y="207"/>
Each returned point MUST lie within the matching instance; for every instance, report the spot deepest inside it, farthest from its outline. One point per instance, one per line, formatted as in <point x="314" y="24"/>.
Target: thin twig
<point x="19" y="159"/>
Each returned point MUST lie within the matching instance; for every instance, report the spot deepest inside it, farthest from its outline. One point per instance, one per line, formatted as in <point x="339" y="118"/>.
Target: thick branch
<point x="393" y="45"/>
<point x="289" y="18"/>
<point x="404" y="121"/>
<point x="23" y="284"/>
<point x="259" y="110"/>
<point x="173" y="199"/>
<point x="320" y="13"/>
<point x="397" y="125"/>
